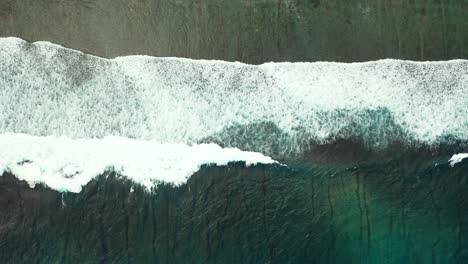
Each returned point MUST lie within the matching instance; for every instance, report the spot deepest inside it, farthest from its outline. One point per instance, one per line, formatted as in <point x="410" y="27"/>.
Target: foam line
<point x="68" y="164"/>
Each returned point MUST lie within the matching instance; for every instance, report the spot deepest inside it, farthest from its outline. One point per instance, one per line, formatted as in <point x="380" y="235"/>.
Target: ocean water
<point x="141" y="159"/>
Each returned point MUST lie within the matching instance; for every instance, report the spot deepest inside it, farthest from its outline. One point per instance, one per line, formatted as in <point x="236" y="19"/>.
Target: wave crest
<point x="275" y="108"/>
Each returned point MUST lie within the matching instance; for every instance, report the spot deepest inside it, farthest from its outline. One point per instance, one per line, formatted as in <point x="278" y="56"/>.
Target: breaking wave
<point x="66" y="164"/>
<point x="278" y="109"/>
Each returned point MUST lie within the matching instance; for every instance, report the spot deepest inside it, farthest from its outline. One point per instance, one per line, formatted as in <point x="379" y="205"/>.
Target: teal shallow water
<point x="407" y="209"/>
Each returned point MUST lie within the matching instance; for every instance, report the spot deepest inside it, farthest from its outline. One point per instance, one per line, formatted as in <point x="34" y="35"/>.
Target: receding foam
<point x="46" y="89"/>
<point x="68" y="164"/>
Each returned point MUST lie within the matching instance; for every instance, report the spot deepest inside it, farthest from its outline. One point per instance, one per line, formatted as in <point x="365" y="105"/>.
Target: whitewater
<point x="66" y="116"/>
<point x="67" y="165"/>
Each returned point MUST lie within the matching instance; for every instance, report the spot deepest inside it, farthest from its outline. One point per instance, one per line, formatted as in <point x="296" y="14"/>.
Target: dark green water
<point x="410" y="209"/>
<point x="251" y="31"/>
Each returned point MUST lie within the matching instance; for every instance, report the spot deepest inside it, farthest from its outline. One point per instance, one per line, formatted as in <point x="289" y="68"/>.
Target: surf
<point x="279" y="109"/>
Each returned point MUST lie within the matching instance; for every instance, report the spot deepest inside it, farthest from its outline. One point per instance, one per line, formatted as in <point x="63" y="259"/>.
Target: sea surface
<point x="142" y="159"/>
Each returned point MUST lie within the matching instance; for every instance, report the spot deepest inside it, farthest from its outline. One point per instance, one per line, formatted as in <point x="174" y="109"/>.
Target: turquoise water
<point x="410" y="209"/>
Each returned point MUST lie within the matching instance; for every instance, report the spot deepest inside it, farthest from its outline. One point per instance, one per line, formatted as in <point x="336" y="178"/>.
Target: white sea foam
<point x="457" y="158"/>
<point x="68" y="164"/>
<point x="46" y="89"/>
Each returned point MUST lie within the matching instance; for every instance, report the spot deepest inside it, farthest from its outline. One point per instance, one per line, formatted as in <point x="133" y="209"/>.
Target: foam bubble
<point x="68" y="164"/>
